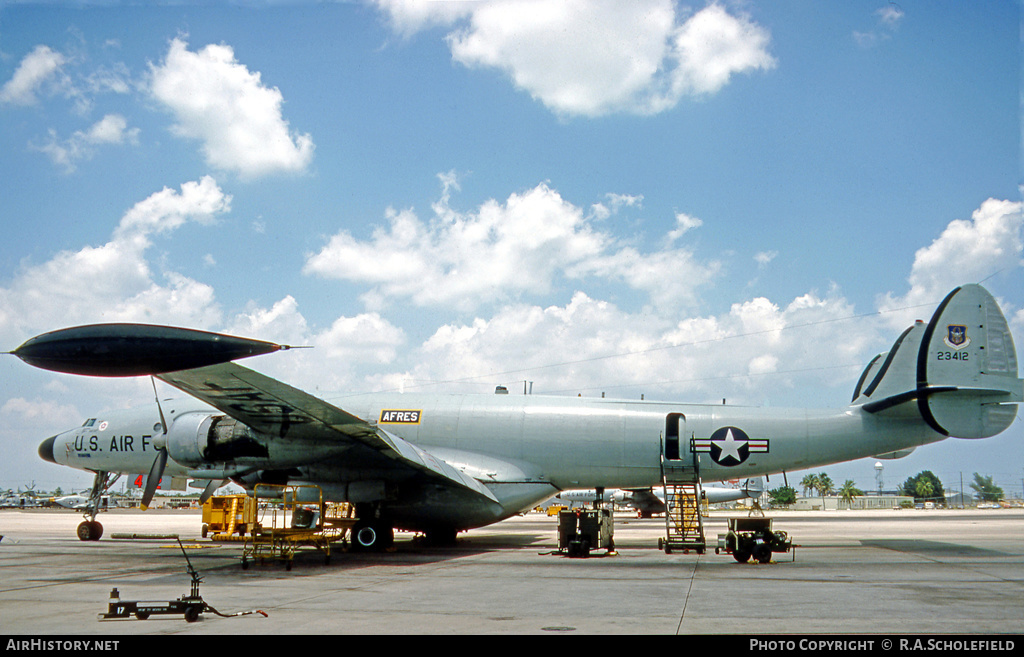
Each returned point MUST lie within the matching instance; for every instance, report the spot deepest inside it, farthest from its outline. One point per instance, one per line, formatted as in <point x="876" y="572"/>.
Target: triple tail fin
<point x="958" y="372"/>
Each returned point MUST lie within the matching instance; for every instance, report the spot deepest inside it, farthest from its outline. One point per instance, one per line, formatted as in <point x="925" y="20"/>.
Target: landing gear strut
<point x="90" y="529"/>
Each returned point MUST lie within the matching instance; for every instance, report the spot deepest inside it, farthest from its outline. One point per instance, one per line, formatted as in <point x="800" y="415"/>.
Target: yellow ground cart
<point x="229" y="517"/>
<point x="286" y="524"/>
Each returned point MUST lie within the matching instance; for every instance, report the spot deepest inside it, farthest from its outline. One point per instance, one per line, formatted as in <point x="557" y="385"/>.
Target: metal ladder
<point x="684" y="525"/>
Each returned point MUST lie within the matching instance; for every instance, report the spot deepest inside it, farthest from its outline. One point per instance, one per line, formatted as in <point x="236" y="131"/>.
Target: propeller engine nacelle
<point x="197" y="439"/>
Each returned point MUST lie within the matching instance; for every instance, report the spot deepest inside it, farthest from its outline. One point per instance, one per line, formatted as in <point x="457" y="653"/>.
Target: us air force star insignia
<point x="730" y="446"/>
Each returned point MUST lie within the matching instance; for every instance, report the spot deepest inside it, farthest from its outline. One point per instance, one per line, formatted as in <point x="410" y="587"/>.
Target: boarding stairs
<point x="684" y="525"/>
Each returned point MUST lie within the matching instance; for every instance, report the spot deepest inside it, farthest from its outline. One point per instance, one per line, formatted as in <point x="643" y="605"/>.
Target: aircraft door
<point x="675" y="425"/>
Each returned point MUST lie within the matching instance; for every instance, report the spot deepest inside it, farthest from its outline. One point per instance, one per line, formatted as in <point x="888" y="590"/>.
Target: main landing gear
<point x="90" y="529"/>
<point x="372" y="536"/>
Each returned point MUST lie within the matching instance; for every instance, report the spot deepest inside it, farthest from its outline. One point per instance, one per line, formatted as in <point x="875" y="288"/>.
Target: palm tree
<point x="849" y="491"/>
<point x="924" y="489"/>
<point x="809" y="483"/>
<point x="825" y="485"/>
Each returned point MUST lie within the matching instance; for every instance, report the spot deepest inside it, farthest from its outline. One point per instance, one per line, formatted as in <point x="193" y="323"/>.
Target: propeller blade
<point x="156" y="395"/>
<point x="153" y="478"/>
<point x="210" y="489"/>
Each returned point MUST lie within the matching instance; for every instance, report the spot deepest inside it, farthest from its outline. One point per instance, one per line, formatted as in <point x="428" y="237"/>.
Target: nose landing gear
<point x="90" y="529"/>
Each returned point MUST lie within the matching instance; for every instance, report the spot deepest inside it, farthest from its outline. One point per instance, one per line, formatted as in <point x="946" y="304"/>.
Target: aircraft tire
<point x="375" y="537"/>
<point x="89" y="530"/>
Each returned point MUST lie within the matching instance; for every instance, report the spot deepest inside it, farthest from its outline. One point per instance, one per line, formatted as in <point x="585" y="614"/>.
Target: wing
<point x="644" y="498"/>
<point x="270" y="406"/>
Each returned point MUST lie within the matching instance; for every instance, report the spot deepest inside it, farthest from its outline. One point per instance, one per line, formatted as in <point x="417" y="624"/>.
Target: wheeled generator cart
<point x="753" y="538"/>
<point x="583" y="530"/>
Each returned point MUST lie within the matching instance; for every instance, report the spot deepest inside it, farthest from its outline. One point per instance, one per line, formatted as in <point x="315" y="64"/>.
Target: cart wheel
<point x="245" y="564"/>
<point x="763" y="553"/>
<point x="288" y="565"/>
<point x="742" y="557"/>
<point x="192" y="613"/>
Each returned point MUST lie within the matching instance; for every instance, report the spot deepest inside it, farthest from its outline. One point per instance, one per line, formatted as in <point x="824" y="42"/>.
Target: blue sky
<point x="688" y="201"/>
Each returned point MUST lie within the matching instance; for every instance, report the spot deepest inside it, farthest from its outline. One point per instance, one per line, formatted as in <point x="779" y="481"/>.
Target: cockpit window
<point x="90" y="422"/>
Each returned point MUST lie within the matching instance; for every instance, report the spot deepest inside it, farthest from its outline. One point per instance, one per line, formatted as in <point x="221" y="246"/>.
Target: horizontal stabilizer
<point x="958" y="372"/>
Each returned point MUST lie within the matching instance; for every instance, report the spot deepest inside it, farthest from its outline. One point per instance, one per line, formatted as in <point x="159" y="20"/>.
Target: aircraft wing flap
<point x="272" y="407"/>
<point x="427" y="462"/>
<point x="266" y="404"/>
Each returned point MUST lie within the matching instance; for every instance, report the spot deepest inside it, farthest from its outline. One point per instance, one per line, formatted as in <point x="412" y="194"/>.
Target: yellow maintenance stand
<point x="285" y="524"/>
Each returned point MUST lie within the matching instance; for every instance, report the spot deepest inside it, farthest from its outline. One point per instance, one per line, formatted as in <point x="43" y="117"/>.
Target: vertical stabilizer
<point x="958" y="371"/>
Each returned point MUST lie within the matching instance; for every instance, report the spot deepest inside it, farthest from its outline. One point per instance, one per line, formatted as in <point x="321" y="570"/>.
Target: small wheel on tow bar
<point x="192" y="613"/>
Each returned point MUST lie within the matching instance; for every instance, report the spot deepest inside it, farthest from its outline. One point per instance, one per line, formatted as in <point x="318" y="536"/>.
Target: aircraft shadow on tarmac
<point x="404" y="552"/>
<point x="932" y="548"/>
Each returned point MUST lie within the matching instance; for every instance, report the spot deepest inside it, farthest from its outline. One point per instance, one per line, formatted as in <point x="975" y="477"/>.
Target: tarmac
<point x="861" y="573"/>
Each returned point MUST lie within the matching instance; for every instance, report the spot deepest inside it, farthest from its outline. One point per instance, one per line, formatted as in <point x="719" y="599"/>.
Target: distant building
<point x="857" y="503"/>
<point x="958" y="500"/>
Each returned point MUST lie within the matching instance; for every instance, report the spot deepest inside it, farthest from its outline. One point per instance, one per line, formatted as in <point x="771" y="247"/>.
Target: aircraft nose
<point x="46" y="450"/>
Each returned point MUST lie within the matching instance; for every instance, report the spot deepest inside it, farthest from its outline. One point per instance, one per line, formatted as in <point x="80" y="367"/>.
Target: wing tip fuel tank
<point x="119" y="350"/>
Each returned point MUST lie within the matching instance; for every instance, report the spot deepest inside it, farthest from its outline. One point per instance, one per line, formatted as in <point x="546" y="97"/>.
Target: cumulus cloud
<point x="40" y="67"/>
<point x="19" y="409"/>
<point x="684" y="224"/>
<point x="113" y="281"/>
<point x="501" y="252"/>
<point x="365" y="338"/>
<point x="407" y="17"/>
<point x="764" y="258"/>
<point x="218" y="101"/>
<point x="596" y="57"/>
<point x="168" y="209"/>
<point x="591" y="345"/>
<point x="112" y="129"/>
<point x="967" y="251"/>
<point x="341" y="356"/>
<point x="887" y="21"/>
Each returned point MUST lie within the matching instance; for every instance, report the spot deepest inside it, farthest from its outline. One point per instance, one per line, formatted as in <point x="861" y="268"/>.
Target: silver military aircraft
<point x="650" y="501"/>
<point x="445" y="463"/>
<point x="80" y="502"/>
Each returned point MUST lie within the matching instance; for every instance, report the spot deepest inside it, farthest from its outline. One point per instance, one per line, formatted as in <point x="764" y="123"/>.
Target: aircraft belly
<point x="419" y="505"/>
<point x="431" y="506"/>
